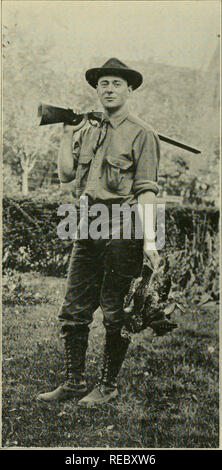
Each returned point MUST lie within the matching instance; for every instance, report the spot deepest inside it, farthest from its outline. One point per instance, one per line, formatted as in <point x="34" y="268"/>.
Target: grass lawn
<point x="168" y="386"/>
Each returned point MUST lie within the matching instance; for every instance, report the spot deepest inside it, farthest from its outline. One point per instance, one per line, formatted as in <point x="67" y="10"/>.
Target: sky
<point x="183" y="33"/>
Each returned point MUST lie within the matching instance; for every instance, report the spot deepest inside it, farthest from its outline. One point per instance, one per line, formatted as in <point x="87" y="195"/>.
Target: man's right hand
<point x="69" y="129"/>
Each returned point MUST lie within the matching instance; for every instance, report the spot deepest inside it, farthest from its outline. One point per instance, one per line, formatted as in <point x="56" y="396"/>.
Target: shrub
<point x="30" y="242"/>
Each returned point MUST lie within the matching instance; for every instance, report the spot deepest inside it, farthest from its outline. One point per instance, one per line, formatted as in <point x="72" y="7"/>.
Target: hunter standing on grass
<point x="116" y="163"/>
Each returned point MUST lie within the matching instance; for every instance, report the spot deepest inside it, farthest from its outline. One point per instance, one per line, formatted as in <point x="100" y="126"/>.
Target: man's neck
<point x="116" y="112"/>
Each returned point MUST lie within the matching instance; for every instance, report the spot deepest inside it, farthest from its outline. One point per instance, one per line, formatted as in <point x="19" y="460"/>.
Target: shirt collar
<point x="116" y="120"/>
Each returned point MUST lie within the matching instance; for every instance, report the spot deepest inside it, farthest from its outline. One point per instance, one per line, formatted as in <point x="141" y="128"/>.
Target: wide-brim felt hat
<point x="117" y="68"/>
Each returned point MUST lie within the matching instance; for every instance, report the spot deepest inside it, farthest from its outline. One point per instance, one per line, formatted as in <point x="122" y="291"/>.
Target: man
<point x="116" y="163"/>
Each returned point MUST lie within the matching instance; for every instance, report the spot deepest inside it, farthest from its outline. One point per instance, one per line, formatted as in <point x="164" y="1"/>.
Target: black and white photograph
<point x="110" y="228"/>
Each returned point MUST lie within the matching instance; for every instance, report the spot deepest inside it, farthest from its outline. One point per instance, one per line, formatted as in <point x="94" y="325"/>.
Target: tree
<point x="22" y="143"/>
<point x="178" y="102"/>
<point x="29" y="78"/>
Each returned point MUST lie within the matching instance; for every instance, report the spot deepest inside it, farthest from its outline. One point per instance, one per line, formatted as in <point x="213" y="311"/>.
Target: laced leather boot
<point x="76" y="343"/>
<point x="106" y="389"/>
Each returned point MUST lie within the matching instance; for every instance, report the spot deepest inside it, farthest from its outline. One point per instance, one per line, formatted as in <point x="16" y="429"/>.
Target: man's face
<point x="113" y="92"/>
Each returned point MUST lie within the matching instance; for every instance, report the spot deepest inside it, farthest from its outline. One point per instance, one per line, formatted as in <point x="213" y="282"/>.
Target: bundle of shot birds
<point x="147" y="304"/>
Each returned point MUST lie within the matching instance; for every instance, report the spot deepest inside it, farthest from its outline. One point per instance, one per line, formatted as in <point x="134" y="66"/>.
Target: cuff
<point x="145" y="185"/>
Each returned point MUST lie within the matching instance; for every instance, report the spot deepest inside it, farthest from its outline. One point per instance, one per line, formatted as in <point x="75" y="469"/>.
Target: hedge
<point x="30" y="240"/>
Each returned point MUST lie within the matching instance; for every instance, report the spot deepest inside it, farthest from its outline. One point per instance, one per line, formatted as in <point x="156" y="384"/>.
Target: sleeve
<point x="146" y="151"/>
<point x="76" y="147"/>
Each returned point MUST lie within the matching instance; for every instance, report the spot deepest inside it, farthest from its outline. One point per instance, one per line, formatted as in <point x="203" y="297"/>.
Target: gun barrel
<point x="176" y="143"/>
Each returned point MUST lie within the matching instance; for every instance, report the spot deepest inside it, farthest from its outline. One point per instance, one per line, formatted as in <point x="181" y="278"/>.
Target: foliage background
<point x="179" y="101"/>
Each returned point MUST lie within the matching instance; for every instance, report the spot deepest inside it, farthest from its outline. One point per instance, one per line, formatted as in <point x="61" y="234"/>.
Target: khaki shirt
<point x="122" y="167"/>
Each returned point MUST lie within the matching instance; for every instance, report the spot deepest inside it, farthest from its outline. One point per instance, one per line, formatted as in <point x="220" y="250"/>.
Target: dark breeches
<point x="100" y="273"/>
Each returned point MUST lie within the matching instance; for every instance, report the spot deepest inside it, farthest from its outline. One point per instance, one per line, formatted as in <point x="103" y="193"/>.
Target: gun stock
<point x="53" y="115"/>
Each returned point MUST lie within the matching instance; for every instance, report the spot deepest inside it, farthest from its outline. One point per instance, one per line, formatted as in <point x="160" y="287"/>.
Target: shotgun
<point x="53" y="115"/>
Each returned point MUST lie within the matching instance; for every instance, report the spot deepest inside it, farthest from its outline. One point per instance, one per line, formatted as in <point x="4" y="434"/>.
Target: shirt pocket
<point x="82" y="172"/>
<point x="119" y="174"/>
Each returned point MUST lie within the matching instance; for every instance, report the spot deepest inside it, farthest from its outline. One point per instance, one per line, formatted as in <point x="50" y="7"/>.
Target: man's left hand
<point x="152" y="255"/>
